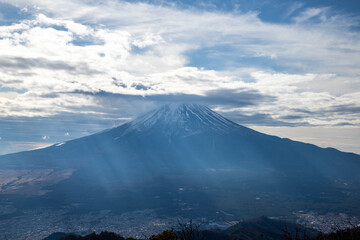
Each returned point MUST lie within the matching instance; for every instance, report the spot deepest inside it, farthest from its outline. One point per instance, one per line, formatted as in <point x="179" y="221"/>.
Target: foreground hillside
<point x="347" y="234"/>
<point x="261" y="228"/>
<point x="256" y="229"/>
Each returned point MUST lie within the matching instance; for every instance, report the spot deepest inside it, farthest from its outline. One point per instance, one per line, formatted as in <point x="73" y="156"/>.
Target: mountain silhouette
<point x="187" y="159"/>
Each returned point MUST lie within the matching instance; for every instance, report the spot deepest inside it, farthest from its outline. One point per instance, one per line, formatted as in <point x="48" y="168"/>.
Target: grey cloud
<point x="292" y="117"/>
<point x="121" y="105"/>
<point x="299" y="110"/>
<point x="343" y="124"/>
<point x="229" y="97"/>
<point x="30" y="63"/>
<point x="260" y="119"/>
<point x="50" y="95"/>
<point x="11" y="81"/>
<point x="348" y="109"/>
<point x="140" y="86"/>
<point x="119" y="83"/>
<point x="339" y="109"/>
<point x="242" y="97"/>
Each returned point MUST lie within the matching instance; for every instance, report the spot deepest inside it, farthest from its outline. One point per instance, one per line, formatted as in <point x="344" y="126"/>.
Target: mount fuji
<point x="184" y="160"/>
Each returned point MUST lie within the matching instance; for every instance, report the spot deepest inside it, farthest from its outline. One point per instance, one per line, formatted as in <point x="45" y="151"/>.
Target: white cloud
<point x="45" y="137"/>
<point x="311" y="13"/>
<point x="72" y="26"/>
<point x="294" y="7"/>
<point x="140" y="49"/>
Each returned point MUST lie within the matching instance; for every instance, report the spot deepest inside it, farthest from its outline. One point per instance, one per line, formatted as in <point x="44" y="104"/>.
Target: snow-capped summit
<point x="182" y="119"/>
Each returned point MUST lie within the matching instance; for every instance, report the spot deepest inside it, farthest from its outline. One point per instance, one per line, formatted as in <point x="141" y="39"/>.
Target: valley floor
<point x="38" y="224"/>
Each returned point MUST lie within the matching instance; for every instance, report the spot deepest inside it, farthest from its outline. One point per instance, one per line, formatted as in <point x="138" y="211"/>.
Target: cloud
<point x="43" y="63"/>
<point x="260" y="119"/>
<point x="293" y="8"/>
<point x="45" y="138"/>
<point x="103" y="58"/>
<point x="311" y="13"/>
<point x="228" y="97"/>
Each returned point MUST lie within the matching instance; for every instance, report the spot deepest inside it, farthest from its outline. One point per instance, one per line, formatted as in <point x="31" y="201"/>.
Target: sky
<point x="70" y="68"/>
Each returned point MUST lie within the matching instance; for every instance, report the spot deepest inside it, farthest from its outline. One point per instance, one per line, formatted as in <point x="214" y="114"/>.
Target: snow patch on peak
<point x="181" y="120"/>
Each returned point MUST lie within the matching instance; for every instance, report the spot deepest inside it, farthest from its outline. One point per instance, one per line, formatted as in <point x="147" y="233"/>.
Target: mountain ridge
<point x="194" y="166"/>
<point x="133" y="125"/>
<point x="181" y="120"/>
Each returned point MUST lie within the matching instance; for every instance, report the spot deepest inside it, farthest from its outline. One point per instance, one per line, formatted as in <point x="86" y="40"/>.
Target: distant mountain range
<point x="184" y="160"/>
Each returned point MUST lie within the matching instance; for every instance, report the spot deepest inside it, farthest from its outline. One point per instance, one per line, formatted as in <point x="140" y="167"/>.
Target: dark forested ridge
<point x="257" y="229"/>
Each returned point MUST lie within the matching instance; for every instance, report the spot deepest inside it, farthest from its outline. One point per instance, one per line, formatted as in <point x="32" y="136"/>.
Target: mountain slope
<point x="191" y="160"/>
